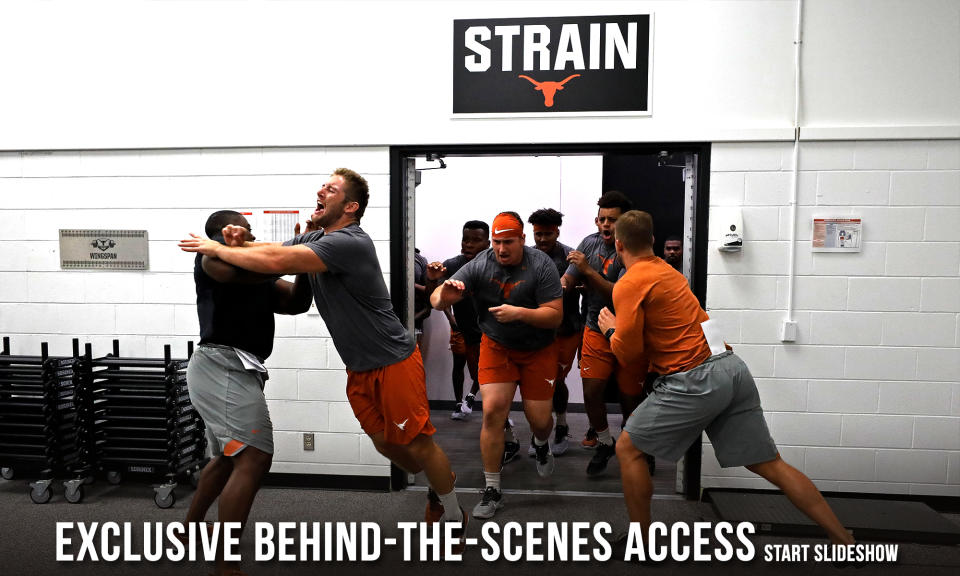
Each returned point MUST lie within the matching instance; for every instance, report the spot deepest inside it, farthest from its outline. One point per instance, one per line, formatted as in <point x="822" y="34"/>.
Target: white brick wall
<point x="170" y="193"/>
<point x="868" y="397"/>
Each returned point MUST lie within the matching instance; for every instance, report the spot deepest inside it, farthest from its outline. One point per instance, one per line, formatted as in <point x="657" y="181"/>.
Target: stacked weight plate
<point x="38" y="417"/>
<point x="144" y="425"/>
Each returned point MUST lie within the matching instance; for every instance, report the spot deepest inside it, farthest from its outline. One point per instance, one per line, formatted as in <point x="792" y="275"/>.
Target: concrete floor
<point x="28" y="534"/>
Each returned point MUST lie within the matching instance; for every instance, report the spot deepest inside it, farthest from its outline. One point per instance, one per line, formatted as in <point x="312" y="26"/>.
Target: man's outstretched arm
<point x="264" y="258"/>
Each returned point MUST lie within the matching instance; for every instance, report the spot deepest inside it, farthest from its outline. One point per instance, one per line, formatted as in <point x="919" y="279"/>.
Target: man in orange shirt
<point x="702" y="386"/>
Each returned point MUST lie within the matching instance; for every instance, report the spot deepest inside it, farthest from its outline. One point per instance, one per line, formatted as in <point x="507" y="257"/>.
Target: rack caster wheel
<point x="74" y="496"/>
<point x="6" y="473"/>
<point x="41" y="495"/>
<point x="113" y="477"/>
<point x="162" y="502"/>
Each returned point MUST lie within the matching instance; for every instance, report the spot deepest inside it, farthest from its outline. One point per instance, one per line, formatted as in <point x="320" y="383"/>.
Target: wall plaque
<point x="104" y="250"/>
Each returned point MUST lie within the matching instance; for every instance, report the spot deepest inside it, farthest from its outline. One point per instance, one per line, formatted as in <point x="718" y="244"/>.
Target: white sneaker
<point x="467" y="405"/>
<point x="458" y="414"/>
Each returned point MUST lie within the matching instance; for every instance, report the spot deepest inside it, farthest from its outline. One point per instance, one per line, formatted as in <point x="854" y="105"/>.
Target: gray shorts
<point x="230" y="400"/>
<point x="718" y="396"/>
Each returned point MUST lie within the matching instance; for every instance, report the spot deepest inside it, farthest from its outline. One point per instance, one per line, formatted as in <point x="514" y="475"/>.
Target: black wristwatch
<point x="609" y="333"/>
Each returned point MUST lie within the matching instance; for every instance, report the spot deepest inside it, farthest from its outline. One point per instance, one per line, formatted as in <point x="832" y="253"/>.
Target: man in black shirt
<point x="225" y="378"/>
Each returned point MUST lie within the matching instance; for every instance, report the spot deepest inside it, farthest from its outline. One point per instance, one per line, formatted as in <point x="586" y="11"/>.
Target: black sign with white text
<point x="592" y="64"/>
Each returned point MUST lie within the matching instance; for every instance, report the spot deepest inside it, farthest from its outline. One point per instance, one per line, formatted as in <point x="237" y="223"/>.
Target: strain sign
<point x="542" y="66"/>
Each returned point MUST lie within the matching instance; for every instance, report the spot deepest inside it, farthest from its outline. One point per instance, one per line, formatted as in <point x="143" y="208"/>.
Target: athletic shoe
<point x="467" y="406"/>
<point x="651" y="463"/>
<point x="460" y="533"/>
<point x="599" y="461"/>
<point x="531" y="451"/>
<point x="434" y="512"/>
<point x="560" y="443"/>
<point x="544" y="460"/>
<point x="590" y="439"/>
<point x="487" y="507"/>
<point x="458" y="414"/>
<point x="619" y="552"/>
<point x="510" y="451"/>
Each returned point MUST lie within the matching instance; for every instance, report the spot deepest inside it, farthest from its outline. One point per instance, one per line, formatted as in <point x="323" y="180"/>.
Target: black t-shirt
<point x="464" y="311"/>
<point x="237" y="315"/>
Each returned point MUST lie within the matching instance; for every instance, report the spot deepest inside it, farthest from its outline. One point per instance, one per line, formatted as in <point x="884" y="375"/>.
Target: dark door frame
<point x="399" y="211"/>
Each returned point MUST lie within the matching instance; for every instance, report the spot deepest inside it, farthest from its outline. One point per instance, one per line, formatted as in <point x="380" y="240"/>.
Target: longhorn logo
<point x="103" y="244"/>
<point x="506" y="287"/>
<point x="549" y="89"/>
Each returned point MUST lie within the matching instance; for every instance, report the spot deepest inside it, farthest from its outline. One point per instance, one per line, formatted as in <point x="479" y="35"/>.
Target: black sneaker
<point x="590" y="439"/>
<point x="544" y="460"/>
<point x="560" y="443"/>
<point x="487" y="507"/>
<point x="651" y="463"/>
<point x="599" y="461"/>
<point x="468" y="401"/>
<point x="510" y="451"/>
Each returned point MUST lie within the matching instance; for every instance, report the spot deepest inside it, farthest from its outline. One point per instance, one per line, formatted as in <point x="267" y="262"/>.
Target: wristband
<point x="609" y="333"/>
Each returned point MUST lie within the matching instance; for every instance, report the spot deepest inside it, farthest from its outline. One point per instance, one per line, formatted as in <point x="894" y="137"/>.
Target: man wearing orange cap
<point x="517" y="293"/>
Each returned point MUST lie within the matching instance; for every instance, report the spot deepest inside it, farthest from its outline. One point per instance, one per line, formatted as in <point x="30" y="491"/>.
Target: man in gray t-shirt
<point x="385" y="378"/>
<point x="516" y="291"/>
<point x="595" y="263"/>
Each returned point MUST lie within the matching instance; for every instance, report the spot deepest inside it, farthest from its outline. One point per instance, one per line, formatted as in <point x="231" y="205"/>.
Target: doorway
<point x="435" y="189"/>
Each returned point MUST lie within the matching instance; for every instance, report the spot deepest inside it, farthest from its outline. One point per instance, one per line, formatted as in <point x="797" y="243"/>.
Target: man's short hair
<point x="634" y="229"/>
<point x="615" y="199"/>
<point x="477" y="225"/>
<point x="357" y="189"/>
<point x="546" y="217"/>
<point x="674" y="238"/>
<point x="219" y="219"/>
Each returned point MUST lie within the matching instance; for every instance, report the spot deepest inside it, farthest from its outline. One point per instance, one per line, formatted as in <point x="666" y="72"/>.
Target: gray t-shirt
<point x="604" y="260"/>
<point x="533" y="282"/>
<point x="572" y="323"/>
<point x="353" y="300"/>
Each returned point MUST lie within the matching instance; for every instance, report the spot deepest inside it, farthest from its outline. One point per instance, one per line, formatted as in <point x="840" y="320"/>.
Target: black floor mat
<point x="869" y="519"/>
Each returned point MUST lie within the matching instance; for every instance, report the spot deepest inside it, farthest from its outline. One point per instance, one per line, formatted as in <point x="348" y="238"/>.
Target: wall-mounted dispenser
<point x="732" y="240"/>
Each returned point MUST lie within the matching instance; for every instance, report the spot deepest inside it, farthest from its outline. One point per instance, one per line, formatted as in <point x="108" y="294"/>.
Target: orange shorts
<point x="392" y="400"/>
<point x="567" y="352"/>
<point x="534" y="370"/>
<point x="598" y="362"/>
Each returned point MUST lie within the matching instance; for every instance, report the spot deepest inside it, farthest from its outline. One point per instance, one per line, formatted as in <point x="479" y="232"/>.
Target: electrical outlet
<point x="788" y="331"/>
<point x="308" y="441"/>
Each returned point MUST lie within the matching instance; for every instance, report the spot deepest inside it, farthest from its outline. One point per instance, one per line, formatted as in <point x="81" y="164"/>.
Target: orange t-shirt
<point x="658" y="317"/>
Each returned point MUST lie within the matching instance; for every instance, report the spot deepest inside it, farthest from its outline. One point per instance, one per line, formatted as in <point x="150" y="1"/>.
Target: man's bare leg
<point x="250" y="465"/>
<point x="637" y="485"/>
<point x="497" y="398"/>
<point x="804" y="495"/>
<point x="213" y="478"/>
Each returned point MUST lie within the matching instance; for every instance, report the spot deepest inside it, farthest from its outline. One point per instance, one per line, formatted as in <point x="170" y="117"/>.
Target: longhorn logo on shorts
<point x="507" y="287"/>
<point x="549" y="89"/>
<point x="401" y="425"/>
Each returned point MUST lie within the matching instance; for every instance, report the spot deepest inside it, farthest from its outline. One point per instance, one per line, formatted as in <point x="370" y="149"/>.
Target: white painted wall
<point x="868" y="397"/>
<point x="170" y="193"/>
<point x="211" y="74"/>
